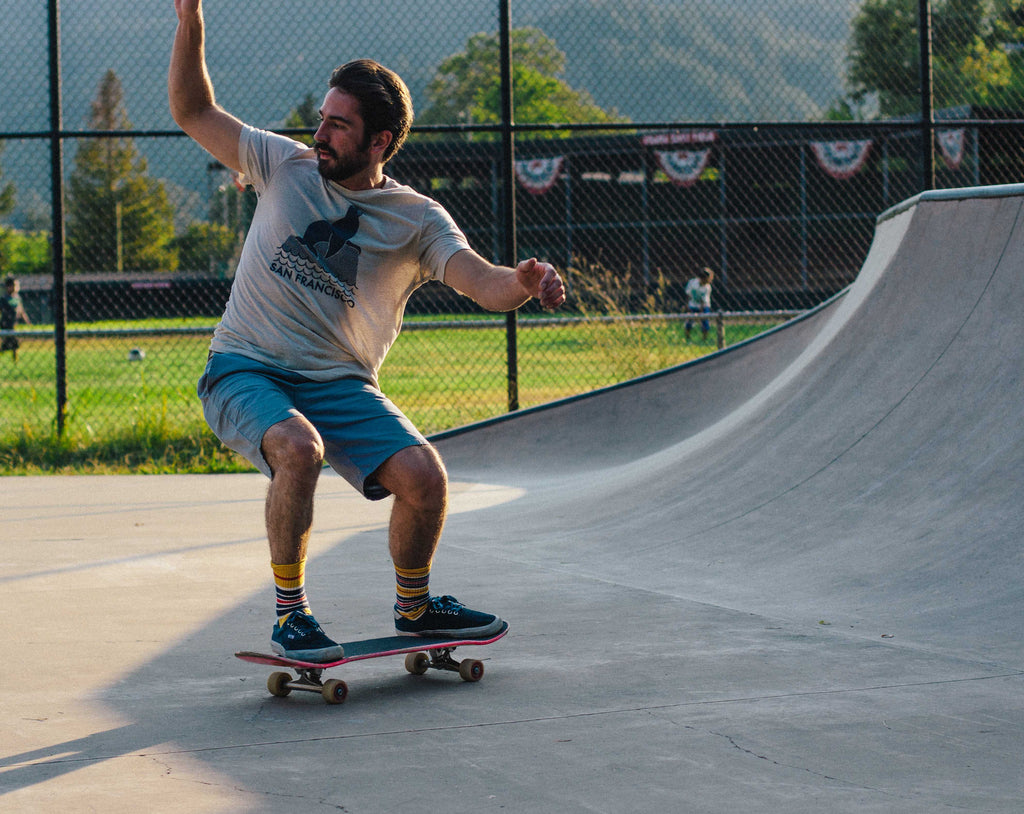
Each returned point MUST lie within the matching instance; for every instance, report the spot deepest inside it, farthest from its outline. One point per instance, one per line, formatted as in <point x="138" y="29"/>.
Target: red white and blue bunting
<point x="841" y="159"/>
<point x="951" y="145"/>
<point x="538" y="175"/>
<point x="684" y="167"/>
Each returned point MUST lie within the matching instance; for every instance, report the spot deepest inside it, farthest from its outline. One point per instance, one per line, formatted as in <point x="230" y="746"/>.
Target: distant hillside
<point x="651" y="59"/>
<point x="658" y="60"/>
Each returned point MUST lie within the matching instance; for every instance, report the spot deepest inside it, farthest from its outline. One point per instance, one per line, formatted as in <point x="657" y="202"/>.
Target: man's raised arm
<point x="190" y="90"/>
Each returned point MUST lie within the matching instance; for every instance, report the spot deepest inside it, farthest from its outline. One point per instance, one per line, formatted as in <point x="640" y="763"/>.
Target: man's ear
<point x="379" y="142"/>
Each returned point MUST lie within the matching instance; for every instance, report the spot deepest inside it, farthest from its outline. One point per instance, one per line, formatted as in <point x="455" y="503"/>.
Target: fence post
<point x="60" y="299"/>
<point x="509" y="194"/>
<point x="924" y="28"/>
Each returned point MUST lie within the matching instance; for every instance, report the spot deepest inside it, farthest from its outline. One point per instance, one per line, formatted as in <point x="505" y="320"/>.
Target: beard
<point x="333" y="167"/>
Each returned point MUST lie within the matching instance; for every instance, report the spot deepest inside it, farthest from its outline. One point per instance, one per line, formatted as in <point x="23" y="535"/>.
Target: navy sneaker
<point x="302" y="638"/>
<point x="446" y="617"/>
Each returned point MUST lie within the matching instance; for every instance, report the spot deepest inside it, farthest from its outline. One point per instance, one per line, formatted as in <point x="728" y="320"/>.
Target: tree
<point x="24" y="252"/>
<point x="975" y="55"/>
<point x="118" y="217"/>
<point x="6" y="191"/>
<point x="205" y="245"/>
<point x="1002" y="61"/>
<point x="467" y="86"/>
<point x="305" y="116"/>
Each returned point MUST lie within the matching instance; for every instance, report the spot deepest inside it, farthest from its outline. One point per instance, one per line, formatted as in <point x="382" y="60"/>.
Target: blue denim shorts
<point x="360" y="427"/>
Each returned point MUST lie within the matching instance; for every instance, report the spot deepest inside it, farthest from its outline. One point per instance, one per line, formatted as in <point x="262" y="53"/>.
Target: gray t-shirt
<point x="326" y="272"/>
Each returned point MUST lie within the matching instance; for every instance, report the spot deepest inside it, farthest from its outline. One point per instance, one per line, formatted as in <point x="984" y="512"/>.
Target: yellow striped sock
<point x="290" y="585"/>
<point x="412" y="591"/>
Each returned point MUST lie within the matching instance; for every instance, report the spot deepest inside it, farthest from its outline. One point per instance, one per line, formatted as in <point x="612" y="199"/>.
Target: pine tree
<point x="119" y="219"/>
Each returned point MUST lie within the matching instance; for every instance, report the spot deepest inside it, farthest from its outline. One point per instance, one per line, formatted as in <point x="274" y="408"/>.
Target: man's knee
<point x="415" y="474"/>
<point x="293" y="446"/>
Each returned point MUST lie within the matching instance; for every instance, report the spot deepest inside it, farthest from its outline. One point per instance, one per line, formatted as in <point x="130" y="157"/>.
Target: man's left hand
<point x="542" y="282"/>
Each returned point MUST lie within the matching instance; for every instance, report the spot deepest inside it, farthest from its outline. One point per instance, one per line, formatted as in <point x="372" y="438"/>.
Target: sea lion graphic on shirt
<point x="324" y="259"/>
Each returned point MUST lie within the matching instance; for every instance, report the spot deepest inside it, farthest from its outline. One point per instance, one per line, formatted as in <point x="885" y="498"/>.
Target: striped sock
<point x="412" y="591"/>
<point x="290" y="581"/>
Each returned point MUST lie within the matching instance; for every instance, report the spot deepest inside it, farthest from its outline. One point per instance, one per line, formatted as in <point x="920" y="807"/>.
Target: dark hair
<point x="384" y="100"/>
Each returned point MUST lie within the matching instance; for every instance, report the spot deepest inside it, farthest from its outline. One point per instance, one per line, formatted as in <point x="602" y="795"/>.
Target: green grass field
<point x="143" y="416"/>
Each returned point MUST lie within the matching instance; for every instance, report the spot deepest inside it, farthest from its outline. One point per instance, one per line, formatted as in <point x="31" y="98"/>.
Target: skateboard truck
<point x="468" y="670"/>
<point x="334" y="690"/>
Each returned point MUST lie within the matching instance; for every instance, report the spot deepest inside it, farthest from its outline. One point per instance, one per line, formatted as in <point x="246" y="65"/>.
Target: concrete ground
<point x="786" y="578"/>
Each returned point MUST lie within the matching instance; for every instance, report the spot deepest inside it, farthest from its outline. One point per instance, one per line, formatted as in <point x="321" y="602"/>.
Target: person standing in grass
<point x="698" y="300"/>
<point x="335" y="250"/>
<point x="12" y="311"/>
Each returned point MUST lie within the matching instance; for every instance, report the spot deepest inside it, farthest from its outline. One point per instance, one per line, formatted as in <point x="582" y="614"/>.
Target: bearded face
<point x="339" y="165"/>
<point x="342" y="145"/>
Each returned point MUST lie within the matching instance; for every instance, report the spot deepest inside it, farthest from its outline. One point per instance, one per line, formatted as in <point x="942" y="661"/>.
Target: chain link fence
<point x="650" y="139"/>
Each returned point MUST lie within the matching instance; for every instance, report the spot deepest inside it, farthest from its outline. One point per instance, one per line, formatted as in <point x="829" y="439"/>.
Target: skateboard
<point x="421" y="654"/>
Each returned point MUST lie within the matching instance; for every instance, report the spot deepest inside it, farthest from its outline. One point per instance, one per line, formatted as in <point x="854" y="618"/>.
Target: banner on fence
<point x="951" y="145"/>
<point x="841" y="159"/>
<point x="683" y="166"/>
<point x="538" y="175"/>
<point x="686" y="137"/>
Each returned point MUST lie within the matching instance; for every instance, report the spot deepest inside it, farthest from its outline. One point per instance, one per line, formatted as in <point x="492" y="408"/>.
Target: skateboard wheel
<point x="335" y="691"/>
<point x="471" y="670"/>
<point x="278" y="684"/>
<point x="417" y="663"/>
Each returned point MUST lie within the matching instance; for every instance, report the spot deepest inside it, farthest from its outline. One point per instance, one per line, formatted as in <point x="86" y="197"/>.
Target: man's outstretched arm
<point x="498" y="288"/>
<point x="190" y="90"/>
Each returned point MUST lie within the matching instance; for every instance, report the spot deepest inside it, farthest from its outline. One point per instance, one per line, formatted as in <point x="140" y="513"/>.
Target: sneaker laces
<point x="304" y="623"/>
<point x="445" y="603"/>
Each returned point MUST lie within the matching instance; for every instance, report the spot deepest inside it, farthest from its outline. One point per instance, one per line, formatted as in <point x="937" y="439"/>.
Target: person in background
<point x="698" y="300"/>
<point x="11" y="312"/>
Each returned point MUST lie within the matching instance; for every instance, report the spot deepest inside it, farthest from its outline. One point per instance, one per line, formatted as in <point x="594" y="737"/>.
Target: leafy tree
<point x="975" y="55"/>
<point x="467" y="86"/>
<point x="6" y="191"/>
<point x="205" y="246"/>
<point x="24" y="252"/>
<point x="118" y="217"/>
<point x="1001" y="62"/>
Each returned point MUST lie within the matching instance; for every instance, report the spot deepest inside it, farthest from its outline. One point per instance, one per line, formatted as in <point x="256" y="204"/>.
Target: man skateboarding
<point x="335" y="249"/>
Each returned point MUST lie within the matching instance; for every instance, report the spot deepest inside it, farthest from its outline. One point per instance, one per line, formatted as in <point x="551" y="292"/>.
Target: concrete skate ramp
<point x="785" y="579"/>
<point x="860" y="467"/>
